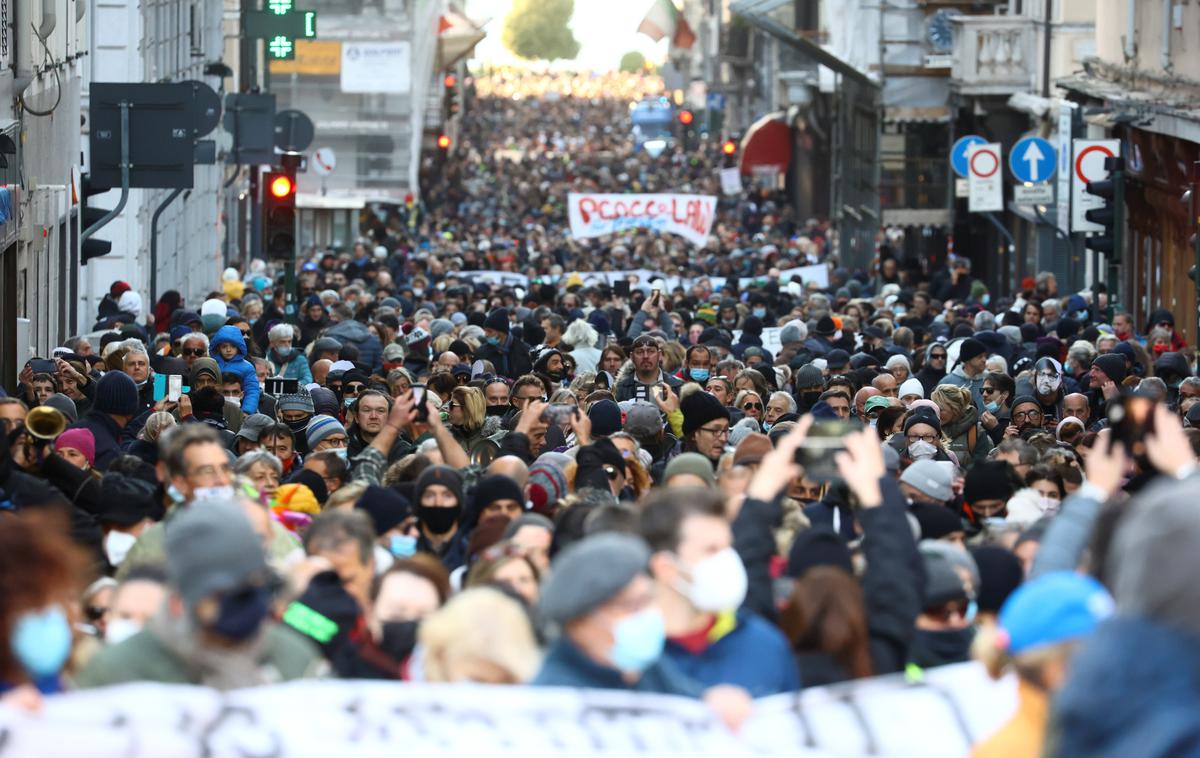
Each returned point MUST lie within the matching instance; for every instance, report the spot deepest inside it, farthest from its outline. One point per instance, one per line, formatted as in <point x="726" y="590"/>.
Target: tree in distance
<point x="632" y="62"/>
<point x="539" y="30"/>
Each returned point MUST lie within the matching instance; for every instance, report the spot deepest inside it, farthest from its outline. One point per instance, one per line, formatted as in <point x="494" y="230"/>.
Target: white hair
<point x="580" y="333"/>
<point x="247" y="460"/>
<point x="898" y="360"/>
<point x="997" y="363"/>
<point x="281" y="332"/>
<point x="195" y="336"/>
<point x="135" y="345"/>
<point x="791" y="401"/>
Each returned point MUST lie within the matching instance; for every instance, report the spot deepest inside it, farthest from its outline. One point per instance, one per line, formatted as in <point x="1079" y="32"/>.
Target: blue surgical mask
<point x="766" y="425"/>
<point x="699" y="374"/>
<point x="992" y="407"/>
<point x="759" y="312"/>
<point x="342" y="453"/>
<point x="638" y="640"/>
<point x="402" y="545"/>
<point x="986" y="299"/>
<point x="41" y="641"/>
<point x="176" y="496"/>
<point x="493" y="341"/>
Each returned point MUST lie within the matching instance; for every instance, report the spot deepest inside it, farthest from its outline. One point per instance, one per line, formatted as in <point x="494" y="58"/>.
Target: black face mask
<point x="810" y="398"/>
<point x="930" y="648"/>
<point x="439" y="520"/>
<point x="241" y="613"/>
<point x="298" y="425"/>
<point x="399" y="639"/>
<point x="498" y="410"/>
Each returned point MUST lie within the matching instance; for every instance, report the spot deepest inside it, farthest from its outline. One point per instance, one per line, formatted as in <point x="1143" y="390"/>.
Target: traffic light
<point x="729" y="150"/>
<point x="88" y="215"/>
<point x="450" y="85"/>
<point x="450" y="81"/>
<point x="279" y="213"/>
<point x="688" y="135"/>
<point x="444" y="142"/>
<point x="1109" y="214"/>
<point x="686" y="118"/>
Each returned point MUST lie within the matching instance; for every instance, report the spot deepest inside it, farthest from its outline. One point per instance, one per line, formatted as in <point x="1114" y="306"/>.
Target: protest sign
<point x="943" y="715"/>
<point x="595" y="215"/>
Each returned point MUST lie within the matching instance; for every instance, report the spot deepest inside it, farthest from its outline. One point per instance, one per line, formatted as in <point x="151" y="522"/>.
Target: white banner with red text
<point x="595" y="215"/>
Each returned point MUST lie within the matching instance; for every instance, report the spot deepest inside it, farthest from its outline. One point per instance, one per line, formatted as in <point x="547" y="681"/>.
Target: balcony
<point x="993" y="55"/>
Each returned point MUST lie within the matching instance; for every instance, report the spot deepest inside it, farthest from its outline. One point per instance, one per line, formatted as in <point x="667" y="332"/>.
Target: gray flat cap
<point x="590" y="572"/>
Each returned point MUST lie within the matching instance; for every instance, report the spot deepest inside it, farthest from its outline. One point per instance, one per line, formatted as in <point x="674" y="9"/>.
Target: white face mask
<point x="718" y="582"/>
<point x="921" y="450"/>
<point x="383" y="559"/>
<point x="117" y="631"/>
<point x="117" y="546"/>
<point x="1049" y="505"/>
<point x="1047" y="385"/>
<point x="220" y="492"/>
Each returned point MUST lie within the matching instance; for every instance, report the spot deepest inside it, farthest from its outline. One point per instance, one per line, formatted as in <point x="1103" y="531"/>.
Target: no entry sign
<point x="1087" y="165"/>
<point x="986" y="190"/>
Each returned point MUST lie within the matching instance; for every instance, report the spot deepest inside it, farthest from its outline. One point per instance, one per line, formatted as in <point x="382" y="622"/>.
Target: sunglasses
<point x="197" y="351"/>
<point x="752" y="406"/>
<point x="937" y="357"/>
<point x="352" y="389"/>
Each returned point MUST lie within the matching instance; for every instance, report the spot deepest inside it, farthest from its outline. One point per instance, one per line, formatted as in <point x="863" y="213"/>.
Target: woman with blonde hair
<point x="968" y="440"/>
<point x="467" y="409"/>
<point x="458" y="648"/>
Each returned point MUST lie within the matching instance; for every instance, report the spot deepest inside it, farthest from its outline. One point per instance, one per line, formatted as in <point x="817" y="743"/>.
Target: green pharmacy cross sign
<point x="280" y="26"/>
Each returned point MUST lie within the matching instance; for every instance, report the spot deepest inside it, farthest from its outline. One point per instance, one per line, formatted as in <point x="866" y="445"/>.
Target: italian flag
<point x="664" y="20"/>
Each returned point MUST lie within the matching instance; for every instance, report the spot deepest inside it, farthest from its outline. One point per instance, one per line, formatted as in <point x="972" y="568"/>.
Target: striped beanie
<point x="321" y="427"/>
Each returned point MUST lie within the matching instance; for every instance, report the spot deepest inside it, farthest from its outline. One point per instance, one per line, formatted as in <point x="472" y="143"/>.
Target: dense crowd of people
<point x="721" y="492"/>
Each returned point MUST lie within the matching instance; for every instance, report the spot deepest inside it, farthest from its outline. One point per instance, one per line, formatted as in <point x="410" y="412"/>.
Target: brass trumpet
<point x="45" y="423"/>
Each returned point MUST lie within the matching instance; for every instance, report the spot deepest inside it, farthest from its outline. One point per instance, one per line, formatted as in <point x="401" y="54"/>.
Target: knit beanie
<point x="79" y="439"/>
<point x="969" y="349"/>
<point x="295" y="401"/>
<point x="690" y="463"/>
<point x="699" y="408"/>
<point x="497" y="321"/>
<point x="313" y="481"/>
<point x="1000" y="574"/>
<point x="440" y="326"/>
<point x="606" y="418"/>
<point x="298" y="498"/>
<point x="443" y="475"/>
<point x="64" y="405"/>
<point x="988" y="480"/>
<point x="491" y="489"/>
<point x="323" y="401"/>
<point x="386" y="507"/>
<point x="923" y="416"/>
<point x="911" y="386"/>
<point x="547" y="485"/>
<point x="1112" y="365"/>
<point x="116" y="394"/>
<point x="818" y="546"/>
<point x="321" y="427"/>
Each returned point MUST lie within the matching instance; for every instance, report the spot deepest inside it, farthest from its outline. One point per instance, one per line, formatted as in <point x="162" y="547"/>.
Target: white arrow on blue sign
<point x="958" y="153"/>
<point x="1032" y="160"/>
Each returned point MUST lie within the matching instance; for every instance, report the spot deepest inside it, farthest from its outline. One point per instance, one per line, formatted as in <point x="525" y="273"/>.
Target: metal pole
<point x="125" y="106"/>
<point x="154" y="241"/>
<point x="1114" y="274"/>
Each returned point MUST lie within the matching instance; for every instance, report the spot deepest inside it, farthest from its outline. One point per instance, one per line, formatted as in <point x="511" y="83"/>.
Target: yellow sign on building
<point x="314" y="58"/>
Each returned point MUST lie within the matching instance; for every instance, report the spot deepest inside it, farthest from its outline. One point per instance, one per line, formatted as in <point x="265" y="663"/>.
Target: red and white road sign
<point x="1087" y="165"/>
<point x="984" y="179"/>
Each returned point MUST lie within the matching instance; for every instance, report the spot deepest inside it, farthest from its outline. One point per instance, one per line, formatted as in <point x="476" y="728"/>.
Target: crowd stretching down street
<point x="486" y="450"/>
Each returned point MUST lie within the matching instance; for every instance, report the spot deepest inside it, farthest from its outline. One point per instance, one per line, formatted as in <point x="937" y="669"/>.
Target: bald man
<point x="1076" y="405"/>
<point x="860" y="401"/>
<point x="885" y="384"/>
<point x="320" y="370"/>
<point x="512" y="467"/>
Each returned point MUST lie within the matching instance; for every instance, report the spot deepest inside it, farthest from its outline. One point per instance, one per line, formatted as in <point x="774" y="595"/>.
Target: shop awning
<point x="757" y="12"/>
<point x="766" y="145"/>
<point x="457" y="38"/>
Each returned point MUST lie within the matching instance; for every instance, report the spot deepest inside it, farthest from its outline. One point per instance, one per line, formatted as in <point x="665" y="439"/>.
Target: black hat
<point x="605" y="416"/>
<point x="969" y="349"/>
<point x="936" y="521"/>
<point x="496" y="487"/>
<point x="836" y="360"/>
<point x="386" y="507"/>
<point x="497" y="321"/>
<point x="988" y="480"/>
<point x="818" y="546"/>
<point x="923" y="415"/>
<point x="1000" y="574"/>
<point x="1111" y="364"/>
<point x="752" y="325"/>
<point x="714" y="337"/>
<point x="590" y="462"/>
<point x="807" y="377"/>
<point x="825" y="327"/>
<point x="699" y="408"/>
<point x="127" y="500"/>
<point x="116" y="394"/>
<point x="313" y="481"/>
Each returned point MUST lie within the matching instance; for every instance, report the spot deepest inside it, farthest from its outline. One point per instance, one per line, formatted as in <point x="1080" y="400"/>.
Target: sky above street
<point x="606" y="30"/>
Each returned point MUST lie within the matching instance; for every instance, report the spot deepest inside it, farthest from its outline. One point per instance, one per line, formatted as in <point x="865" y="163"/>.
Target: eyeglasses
<point x="196" y="351"/>
<point x="922" y="438"/>
<point x="210" y="470"/>
<point x="718" y="432"/>
<point x="752" y="406"/>
<point x="987" y="390"/>
<point x="1029" y="415"/>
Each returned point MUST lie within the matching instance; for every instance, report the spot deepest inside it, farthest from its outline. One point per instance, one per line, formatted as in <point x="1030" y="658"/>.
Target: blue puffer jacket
<point x="370" y="351"/>
<point x="1134" y="689"/>
<point x="294" y="367"/>
<point x="238" y="366"/>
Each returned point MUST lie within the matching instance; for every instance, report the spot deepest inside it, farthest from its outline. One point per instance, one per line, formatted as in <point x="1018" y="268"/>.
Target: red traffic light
<point x="729" y="148"/>
<point x="685" y="117"/>
<point x="443" y="141"/>
<point x="450" y="80"/>
<point x="282" y="186"/>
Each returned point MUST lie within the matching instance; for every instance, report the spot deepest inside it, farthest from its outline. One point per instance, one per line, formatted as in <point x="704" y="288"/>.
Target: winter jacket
<point x="108" y="435"/>
<point x="1132" y="691"/>
<point x="969" y="441"/>
<point x="587" y="358"/>
<point x="292" y="366"/>
<point x="370" y="349"/>
<point x="628" y="385"/>
<point x="754" y="541"/>
<point x="239" y="366"/>
<point x="740" y="649"/>
<point x="510" y="359"/>
<point x="957" y="378"/>
<point x="565" y="665"/>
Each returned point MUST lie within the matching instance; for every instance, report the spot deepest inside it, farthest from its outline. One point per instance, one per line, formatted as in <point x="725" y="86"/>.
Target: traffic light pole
<point x="125" y="106"/>
<point x="154" y="242"/>
<point x="1114" y="260"/>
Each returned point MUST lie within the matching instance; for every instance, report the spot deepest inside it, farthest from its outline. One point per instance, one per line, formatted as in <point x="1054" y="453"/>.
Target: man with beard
<point x="647" y="374"/>
<point x="214" y="628"/>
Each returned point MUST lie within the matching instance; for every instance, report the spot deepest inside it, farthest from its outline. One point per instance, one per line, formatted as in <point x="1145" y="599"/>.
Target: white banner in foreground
<point x="595" y="215"/>
<point x="954" y="707"/>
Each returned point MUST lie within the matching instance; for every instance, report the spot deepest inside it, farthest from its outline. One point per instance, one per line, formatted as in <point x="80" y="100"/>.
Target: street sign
<point x="163" y="122"/>
<point x="1032" y="160"/>
<point x="251" y="121"/>
<point x="1087" y="165"/>
<point x="1066" y="120"/>
<point x="1041" y="193"/>
<point x="984" y="178"/>
<point x="293" y="131"/>
<point x="324" y="161"/>
<point x="958" y="153"/>
<point x="208" y="106"/>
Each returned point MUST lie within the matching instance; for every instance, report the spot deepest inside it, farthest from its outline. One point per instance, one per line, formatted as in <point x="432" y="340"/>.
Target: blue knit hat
<point x="116" y="394"/>
<point x="321" y="427"/>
